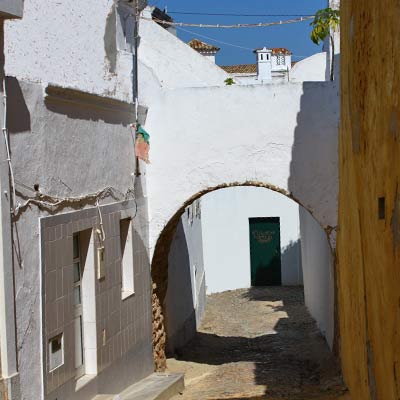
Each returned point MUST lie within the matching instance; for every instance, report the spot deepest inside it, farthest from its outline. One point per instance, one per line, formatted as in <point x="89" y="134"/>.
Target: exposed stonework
<point x="159" y="334"/>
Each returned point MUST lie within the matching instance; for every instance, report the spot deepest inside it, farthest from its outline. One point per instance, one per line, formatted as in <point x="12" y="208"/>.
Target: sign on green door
<point x="265" y="251"/>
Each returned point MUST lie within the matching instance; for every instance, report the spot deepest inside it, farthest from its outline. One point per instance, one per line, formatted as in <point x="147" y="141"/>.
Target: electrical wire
<point x="5" y="134"/>
<point x="214" y="40"/>
<point x="103" y="234"/>
<point x="223" y="26"/>
<point x="53" y="202"/>
<point x="237" y="15"/>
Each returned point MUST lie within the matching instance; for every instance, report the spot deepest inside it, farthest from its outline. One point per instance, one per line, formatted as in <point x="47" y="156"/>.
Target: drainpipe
<point x="8" y="346"/>
<point x="136" y="77"/>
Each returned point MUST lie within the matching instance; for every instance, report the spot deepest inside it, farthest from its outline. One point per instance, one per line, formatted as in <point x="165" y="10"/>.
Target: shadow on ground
<point x="279" y="347"/>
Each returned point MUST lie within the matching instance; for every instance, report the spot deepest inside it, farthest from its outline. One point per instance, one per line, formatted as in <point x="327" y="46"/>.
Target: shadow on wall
<point x="314" y="153"/>
<point x="180" y="314"/>
<point x="288" y="362"/>
<point x="291" y="255"/>
<point x="79" y="105"/>
<point x="18" y="116"/>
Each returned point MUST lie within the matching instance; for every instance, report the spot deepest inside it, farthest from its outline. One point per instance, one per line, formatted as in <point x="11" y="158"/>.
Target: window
<point x="281" y="60"/>
<point x="78" y="310"/>
<point x="127" y="266"/>
<point x="84" y="305"/>
<point x="56" y="352"/>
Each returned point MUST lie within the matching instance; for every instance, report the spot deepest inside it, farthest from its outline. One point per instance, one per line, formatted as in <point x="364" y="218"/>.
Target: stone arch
<point x="159" y="263"/>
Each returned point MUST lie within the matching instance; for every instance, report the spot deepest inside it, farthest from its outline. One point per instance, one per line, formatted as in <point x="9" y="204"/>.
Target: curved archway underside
<point x="159" y="264"/>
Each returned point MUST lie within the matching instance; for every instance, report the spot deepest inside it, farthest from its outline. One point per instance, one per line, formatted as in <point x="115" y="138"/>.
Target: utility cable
<point x="223" y="26"/>
<point x="214" y="40"/>
<point x="237" y="15"/>
<point x="5" y="134"/>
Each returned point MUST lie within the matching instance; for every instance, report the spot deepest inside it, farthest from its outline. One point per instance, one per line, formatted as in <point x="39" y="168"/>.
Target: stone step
<point x="157" y="386"/>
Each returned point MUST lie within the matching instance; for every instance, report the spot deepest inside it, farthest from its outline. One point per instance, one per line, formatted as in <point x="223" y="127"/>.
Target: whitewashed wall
<point x="225" y="227"/>
<point x="74" y="139"/>
<point x="72" y="44"/>
<point x="312" y="68"/>
<point x="317" y="261"/>
<point x="165" y="62"/>
<point x="283" y="135"/>
<point x="186" y="294"/>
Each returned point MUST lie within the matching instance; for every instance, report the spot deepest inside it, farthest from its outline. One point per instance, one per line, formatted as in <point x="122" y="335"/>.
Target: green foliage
<point x="325" y="20"/>
<point x="229" y="82"/>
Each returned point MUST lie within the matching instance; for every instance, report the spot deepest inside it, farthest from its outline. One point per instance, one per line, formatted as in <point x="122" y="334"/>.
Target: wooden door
<point x="265" y="251"/>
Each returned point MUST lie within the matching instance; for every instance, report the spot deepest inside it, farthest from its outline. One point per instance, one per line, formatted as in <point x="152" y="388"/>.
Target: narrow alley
<point x="258" y="343"/>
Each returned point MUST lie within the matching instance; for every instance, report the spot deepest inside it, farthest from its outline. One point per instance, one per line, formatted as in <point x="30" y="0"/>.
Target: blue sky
<point x="295" y="37"/>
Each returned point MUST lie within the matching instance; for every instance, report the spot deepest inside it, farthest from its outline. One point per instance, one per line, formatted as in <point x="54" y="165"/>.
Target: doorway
<point x="265" y="251"/>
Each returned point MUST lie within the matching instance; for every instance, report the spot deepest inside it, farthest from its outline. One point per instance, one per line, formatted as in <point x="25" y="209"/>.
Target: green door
<point x="265" y="251"/>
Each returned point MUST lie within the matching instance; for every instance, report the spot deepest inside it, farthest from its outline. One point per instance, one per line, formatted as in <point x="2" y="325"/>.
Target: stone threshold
<point x="157" y="386"/>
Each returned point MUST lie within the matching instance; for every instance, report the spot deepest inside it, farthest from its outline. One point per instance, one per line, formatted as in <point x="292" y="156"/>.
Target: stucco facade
<point x="186" y="295"/>
<point x="70" y="105"/>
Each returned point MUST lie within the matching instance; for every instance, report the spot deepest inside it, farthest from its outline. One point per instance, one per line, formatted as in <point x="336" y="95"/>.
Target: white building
<point x="207" y="50"/>
<point x="273" y="64"/>
<point x="78" y="245"/>
<point x="79" y="226"/>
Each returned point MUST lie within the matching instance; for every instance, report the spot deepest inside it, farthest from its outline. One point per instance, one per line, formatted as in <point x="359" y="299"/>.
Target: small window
<point x="281" y="60"/>
<point x="56" y="352"/>
<point x="127" y="265"/>
<point x="261" y="56"/>
<point x="267" y="57"/>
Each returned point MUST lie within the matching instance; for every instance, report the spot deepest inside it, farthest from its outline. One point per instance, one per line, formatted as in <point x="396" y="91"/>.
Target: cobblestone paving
<point x="258" y="343"/>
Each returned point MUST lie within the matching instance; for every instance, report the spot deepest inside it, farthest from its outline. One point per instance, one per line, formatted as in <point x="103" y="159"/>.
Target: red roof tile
<point x="240" y="69"/>
<point x="278" y="50"/>
<point x="201" y="46"/>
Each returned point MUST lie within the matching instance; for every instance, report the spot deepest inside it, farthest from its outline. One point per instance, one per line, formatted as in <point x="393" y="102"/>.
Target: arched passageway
<point x="160" y="266"/>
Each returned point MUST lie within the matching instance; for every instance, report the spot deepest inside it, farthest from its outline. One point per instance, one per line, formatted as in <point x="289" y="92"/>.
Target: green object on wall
<point x="265" y="251"/>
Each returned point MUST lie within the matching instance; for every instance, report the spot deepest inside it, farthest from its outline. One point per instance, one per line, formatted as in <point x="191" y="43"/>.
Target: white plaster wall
<point x="185" y="299"/>
<point x="310" y="69"/>
<point x="63" y="42"/>
<point x="226" y="245"/>
<point x="317" y="261"/>
<point x="73" y="149"/>
<point x="280" y="134"/>
<point x="167" y="62"/>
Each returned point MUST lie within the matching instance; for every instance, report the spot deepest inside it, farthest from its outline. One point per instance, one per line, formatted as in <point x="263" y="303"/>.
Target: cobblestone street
<point x="258" y="343"/>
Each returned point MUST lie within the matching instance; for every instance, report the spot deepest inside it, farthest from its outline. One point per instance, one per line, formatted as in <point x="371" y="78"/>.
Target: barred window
<point x="281" y="60"/>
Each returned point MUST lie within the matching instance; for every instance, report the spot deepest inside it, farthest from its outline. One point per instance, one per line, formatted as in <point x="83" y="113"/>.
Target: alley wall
<point x="186" y="295"/>
<point x="369" y="199"/>
<point x="318" y="274"/>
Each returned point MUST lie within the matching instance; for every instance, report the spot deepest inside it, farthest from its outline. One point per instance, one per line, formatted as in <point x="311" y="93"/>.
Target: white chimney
<point x="264" y="64"/>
